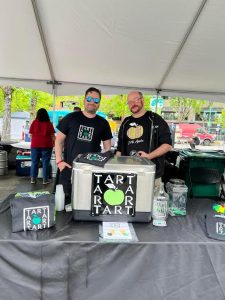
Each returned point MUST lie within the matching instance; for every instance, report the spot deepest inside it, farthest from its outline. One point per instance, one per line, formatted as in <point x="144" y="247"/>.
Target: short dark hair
<point x="76" y="108"/>
<point x="42" y="115"/>
<point x="93" y="89"/>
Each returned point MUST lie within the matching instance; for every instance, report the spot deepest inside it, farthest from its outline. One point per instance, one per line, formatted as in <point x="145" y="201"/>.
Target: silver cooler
<point x="122" y="191"/>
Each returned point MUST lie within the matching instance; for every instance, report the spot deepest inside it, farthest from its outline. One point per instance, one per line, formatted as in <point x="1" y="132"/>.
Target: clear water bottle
<point x="59" y="198"/>
<point x="160" y="207"/>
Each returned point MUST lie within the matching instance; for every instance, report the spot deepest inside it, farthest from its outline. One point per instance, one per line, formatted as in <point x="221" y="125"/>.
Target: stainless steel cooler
<point x="121" y="191"/>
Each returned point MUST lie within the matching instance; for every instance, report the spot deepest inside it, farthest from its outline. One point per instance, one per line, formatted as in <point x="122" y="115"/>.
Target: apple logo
<point x="135" y="131"/>
<point x="36" y="219"/>
<point x="93" y="157"/>
<point x="219" y="208"/>
<point x="113" y="196"/>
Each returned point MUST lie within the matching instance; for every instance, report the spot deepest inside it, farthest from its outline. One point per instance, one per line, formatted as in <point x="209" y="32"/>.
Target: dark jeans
<point x="37" y="154"/>
<point x="65" y="180"/>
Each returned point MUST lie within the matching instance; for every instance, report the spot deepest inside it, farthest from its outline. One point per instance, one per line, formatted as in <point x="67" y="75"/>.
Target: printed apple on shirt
<point x="113" y="194"/>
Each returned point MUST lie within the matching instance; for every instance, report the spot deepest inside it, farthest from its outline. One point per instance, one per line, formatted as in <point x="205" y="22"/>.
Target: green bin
<point x="203" y="171"/>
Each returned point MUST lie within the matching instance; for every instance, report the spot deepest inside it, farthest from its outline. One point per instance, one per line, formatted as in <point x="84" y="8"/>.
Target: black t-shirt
<point x="146" y="134"/>
<point x="83" y="134"/>
<point x="143" y="134"/>
<point x="137" y="135"/>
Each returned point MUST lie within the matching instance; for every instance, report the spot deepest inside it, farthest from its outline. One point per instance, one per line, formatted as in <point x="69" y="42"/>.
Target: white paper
<point x="116" y="231"/>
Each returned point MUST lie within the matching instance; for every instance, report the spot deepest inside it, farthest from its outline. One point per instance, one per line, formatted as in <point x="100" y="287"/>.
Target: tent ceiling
<point x="174" y="46"/>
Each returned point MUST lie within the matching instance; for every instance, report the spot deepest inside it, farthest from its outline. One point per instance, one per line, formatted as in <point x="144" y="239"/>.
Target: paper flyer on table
<point x="117" y="231"/>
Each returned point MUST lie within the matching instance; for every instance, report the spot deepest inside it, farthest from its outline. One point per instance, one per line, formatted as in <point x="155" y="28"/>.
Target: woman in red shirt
<point x="42" y="143"/>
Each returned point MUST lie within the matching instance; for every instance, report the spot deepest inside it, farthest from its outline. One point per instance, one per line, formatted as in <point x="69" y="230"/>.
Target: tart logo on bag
<point x="220" y="228"/>
<point x="95" y="157"/>
<point x="35" y="218"/>
<point x="113" y="194"/>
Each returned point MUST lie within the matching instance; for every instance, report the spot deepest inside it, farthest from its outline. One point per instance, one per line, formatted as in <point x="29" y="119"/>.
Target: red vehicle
<point x="187" y="131"/>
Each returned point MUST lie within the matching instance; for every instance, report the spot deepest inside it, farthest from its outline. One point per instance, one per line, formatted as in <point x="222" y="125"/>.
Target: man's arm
<point x="161" y="150"/>
<point x="53" y="139"/>
<point x="119" y="144"/>
<point x="59" y="143"/>
<point x="107" y="145"/>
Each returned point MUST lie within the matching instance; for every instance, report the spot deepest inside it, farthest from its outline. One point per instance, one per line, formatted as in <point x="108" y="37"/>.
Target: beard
<point x="135" y="108"/>
<point x="91" y="109"/>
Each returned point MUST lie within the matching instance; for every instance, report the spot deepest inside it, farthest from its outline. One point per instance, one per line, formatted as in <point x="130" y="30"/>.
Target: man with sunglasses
<point x="144" y="133"/>
<point x="80" y="132"/>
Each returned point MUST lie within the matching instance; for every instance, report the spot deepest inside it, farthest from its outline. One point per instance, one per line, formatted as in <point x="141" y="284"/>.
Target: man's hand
<point x="144" y="154"/>
<point x="161" y="150"/>
<point x="62" y="165"/>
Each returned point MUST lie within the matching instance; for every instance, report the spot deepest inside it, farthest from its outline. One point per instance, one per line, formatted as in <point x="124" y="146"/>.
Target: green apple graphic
<point x="93" y="157"/>
<point x="114" y="197"/>
<point x="36" y="219"/>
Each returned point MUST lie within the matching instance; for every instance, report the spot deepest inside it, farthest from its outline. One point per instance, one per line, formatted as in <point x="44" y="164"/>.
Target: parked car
<point x="189" y="130"/>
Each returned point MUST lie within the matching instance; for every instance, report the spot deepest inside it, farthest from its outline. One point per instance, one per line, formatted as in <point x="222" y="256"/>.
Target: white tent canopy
<point x="173" y="47"/>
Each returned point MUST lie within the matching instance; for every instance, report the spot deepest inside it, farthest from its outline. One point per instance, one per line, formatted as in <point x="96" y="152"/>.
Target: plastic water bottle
<point x="59" y="198"/>
<point x="160" y="207"/>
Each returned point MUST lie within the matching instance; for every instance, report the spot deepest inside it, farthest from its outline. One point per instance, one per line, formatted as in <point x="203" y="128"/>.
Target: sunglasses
<point x="89" y="99"/>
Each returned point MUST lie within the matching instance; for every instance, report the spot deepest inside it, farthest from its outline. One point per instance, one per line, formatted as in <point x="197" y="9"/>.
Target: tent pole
<point x="42" y="36"/>
<point x="54" y="85"/>
<point x="54" y="102"/>
<point x="157" y="100"/>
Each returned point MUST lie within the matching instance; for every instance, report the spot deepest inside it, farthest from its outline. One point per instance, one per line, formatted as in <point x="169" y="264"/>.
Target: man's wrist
<point x="59" y="162"/>
<point x="149" y="156"/>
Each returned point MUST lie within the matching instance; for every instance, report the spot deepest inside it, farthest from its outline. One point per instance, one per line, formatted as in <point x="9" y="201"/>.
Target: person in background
<point x="145" y="134"/>
<point x="26" y="131"/>
<point x="80" y="132"/>
<point x="76" y="108"/>
<point x="42" y="135"/>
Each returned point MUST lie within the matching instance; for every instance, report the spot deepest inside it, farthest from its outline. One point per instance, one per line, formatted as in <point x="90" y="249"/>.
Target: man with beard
<point x="80" y="132"/>
<point x="144" y="133"/>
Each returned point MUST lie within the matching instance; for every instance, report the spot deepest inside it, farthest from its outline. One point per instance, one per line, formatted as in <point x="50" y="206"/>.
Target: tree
<point x="117" y="105"/>
<point x="33" y="104"/>
<point x="1" y="100"/>
<point x="68" y="101"/>
<point x="205" y="117"/>
<point x="22" y="100"/>
<point x="221" y="119"/>
<point x="186" y="107"/>
<point x="6" y="128"/>
<point x="19" y="99"/>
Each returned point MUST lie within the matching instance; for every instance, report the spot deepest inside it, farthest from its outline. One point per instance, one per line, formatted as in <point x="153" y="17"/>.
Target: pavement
<point x="12" y="184"/>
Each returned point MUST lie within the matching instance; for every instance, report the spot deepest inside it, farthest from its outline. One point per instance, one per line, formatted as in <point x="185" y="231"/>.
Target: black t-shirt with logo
<point x="137" y="134"/>
<point x="83" y="134"/>
<point x="146" y="134"/>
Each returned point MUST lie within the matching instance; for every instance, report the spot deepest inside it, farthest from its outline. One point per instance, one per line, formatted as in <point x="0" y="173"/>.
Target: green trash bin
<point x="202" y="172"/>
